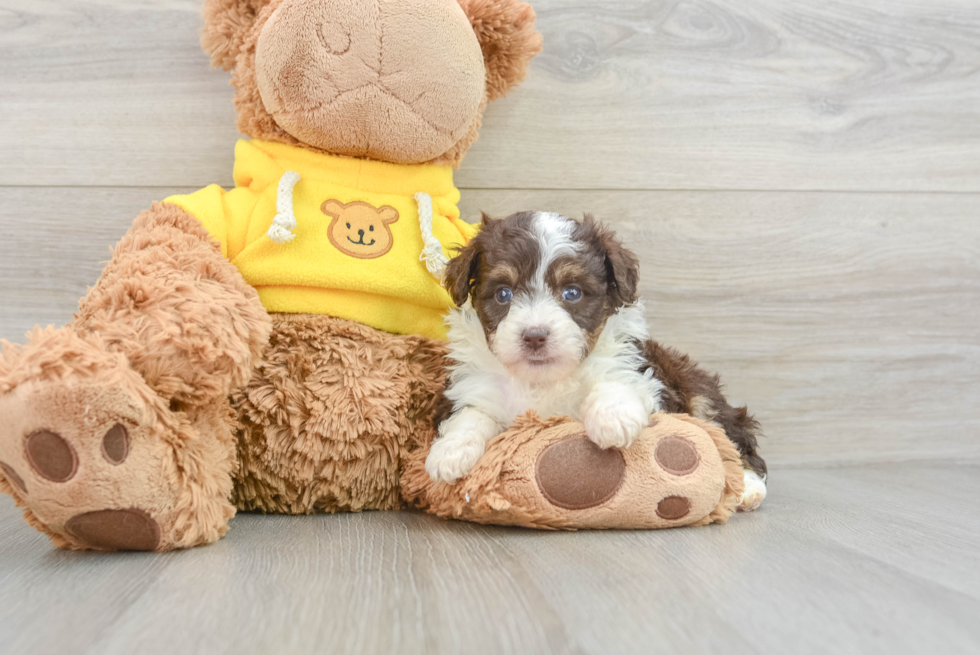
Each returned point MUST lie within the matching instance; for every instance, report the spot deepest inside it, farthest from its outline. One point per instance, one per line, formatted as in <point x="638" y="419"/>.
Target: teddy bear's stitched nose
<point x="360" y="233"/>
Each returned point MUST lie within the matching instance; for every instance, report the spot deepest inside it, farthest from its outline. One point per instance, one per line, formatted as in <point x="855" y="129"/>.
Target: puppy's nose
<point x="535" y="338"/>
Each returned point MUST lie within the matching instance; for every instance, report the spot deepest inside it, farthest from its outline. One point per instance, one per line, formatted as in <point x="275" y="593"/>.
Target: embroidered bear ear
<point x="505" y="30"/>
<point x="226" y="25"/>
<point x="332" y="208"/>
<point x="387" y="214"/>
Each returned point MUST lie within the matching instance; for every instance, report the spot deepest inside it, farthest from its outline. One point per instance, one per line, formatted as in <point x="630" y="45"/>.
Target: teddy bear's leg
<point x="117" y="431"/>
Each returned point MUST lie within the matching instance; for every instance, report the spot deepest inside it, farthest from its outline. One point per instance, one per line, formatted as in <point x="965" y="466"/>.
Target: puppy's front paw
<point x="613" y="419"/>
<point x="453" y="458"/>
<point x="754" y="494"/>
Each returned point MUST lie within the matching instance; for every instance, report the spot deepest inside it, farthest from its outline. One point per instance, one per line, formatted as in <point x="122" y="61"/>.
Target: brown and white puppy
<point x="549" y="320"/>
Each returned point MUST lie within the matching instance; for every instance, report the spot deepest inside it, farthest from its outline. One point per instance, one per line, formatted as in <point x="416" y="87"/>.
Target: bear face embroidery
<point x="359" y="229"/>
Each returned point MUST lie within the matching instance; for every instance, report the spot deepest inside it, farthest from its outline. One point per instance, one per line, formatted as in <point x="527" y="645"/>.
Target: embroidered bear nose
<point x="535" y="338"/>
<point x="360" y="233"/>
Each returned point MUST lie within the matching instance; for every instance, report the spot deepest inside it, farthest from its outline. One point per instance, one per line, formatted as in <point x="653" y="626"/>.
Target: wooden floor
<point x="801" y="181"/>
<point x="872" y="559"/>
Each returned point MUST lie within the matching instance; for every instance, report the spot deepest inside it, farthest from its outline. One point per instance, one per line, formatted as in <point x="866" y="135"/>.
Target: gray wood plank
<point x="806" y="574"/>
<point x="847" y="322"/>
<point x="677" y="94"/>
<point x="913" y="529"/>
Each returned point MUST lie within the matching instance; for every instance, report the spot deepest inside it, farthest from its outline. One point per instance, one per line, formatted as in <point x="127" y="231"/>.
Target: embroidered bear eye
<point x="371" y="228"/>
<point x="504" y="295"/>
<point x="348" y="226"/>
<point x="571" y="294"/>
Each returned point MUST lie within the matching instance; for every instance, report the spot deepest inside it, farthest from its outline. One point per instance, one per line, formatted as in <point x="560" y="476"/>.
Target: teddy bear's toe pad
<point x="51" y="456"/>
<point x="577" y="474"/>
<point x="13" y="477"/>
<point x="676" y="455"/>
<point x="115" y="529"/>
<point x="674" y="508"/>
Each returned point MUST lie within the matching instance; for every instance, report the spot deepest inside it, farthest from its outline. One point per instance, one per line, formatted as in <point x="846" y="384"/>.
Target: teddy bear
<point x="280" y="346"/>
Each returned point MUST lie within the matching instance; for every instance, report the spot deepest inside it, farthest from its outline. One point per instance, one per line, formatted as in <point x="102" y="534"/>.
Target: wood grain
<point x="877" y="559"/>
<point x="847" y="322"/>
<point x="628" y="94"/>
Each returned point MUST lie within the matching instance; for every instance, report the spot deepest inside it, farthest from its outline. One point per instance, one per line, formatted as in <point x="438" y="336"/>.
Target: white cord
<point x="432" y="255"/>
<point x="285" y="221"/>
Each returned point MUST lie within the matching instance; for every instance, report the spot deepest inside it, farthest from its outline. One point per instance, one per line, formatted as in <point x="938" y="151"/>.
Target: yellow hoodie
<point x="321" y="234"/>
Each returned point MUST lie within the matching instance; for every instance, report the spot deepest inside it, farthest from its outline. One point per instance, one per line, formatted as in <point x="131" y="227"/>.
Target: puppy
<point x="549" y="320"/>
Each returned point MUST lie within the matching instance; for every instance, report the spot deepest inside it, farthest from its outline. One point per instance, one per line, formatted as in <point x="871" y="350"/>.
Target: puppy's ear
<point x="486" y="220"/>
<point x="622" y="266"/>
<point x="226" y="25"/>
<point x="461" y="271"/>
<point x="505" y="30"/>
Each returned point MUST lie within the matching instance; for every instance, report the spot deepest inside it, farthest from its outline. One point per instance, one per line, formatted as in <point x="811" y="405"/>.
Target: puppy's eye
<point x="504" y="295"/>
<point x="571" y="294"/>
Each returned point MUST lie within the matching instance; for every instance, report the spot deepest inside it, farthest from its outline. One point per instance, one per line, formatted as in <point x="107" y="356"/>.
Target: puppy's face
<point x="543" y="286"/>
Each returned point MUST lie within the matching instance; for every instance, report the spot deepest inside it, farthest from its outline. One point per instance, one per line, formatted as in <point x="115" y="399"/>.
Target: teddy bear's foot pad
<point x="53" y="458"/>
<point x="549" y="474"/>
<point x="81" y="459"/>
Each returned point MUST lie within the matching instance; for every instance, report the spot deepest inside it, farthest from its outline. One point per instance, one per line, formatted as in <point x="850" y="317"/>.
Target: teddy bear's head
<point x="402" y="81"/>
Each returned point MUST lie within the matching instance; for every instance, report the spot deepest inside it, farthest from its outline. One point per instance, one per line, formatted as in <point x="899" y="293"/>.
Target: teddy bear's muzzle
<point x="395" y="80"/>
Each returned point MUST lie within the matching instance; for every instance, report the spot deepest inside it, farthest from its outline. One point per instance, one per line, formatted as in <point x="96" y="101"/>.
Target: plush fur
<point x="330" y="413"/>
<point x="179" y="311"/>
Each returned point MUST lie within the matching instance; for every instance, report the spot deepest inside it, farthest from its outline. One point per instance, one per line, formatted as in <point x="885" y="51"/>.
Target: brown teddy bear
<point x="279" y="346"/>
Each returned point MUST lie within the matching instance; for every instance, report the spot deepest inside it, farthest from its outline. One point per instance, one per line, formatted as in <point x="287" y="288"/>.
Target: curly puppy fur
<point x="690" y="389"/>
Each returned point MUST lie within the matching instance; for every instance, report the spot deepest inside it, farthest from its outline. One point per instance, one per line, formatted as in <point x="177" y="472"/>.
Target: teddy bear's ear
<point x="226" y="24"/>
<point x="505" y="30"/>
